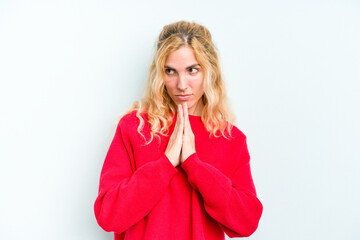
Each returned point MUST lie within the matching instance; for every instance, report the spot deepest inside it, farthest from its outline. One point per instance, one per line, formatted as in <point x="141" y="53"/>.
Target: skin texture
<point x="180" y="79"/>
<point x="188" y="137"/>
<point x="182" y="141"/>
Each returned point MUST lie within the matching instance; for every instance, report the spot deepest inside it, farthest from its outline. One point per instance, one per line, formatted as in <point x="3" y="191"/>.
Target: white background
<point x="69" y="68"/>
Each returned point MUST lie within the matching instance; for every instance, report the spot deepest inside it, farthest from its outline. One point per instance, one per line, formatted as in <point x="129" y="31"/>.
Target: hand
<point x="188" y="138"/>
<point x="173" y="149"/>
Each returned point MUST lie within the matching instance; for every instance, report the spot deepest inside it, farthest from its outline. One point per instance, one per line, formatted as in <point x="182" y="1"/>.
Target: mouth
<point x="183" y="97"/>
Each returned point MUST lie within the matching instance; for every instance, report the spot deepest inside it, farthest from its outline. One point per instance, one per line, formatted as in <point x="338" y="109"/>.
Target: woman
<point x="177" y="168"/>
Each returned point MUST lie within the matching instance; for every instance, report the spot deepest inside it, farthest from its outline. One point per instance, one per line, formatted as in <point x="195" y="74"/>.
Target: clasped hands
<point x="182" y="140"/>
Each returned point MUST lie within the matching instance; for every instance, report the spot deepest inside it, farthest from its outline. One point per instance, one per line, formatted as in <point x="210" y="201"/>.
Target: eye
<point x="194" y="71"/>
<point x="168" y="70"/>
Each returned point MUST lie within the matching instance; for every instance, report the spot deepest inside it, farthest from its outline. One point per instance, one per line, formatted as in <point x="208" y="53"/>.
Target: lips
<point x="183" y="97"/>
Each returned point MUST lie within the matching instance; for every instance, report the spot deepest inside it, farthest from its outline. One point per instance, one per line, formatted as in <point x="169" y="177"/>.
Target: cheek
<point x="198" y="85"/>
<point x="169" y="86"/>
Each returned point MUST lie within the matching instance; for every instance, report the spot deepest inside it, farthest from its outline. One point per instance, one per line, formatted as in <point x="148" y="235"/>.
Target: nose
<point x="181" y="83"/>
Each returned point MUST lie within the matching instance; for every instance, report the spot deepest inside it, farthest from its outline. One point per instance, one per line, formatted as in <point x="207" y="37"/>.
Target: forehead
<point x="182" y="57"/>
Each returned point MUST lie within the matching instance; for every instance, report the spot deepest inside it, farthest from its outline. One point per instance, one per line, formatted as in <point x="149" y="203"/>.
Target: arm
<point x="127" y="196"/>
<point x="231" y="201"/>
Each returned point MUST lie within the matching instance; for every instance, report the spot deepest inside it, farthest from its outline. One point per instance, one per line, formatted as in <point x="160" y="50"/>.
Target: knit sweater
<point x="143" y="196"/>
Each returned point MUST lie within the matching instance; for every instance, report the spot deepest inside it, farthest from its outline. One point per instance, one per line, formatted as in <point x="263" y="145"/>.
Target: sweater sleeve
<point x="126" y="196"/>
<point x="231" y="201"/>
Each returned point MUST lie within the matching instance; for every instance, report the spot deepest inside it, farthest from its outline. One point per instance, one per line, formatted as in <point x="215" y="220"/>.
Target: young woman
<point x="177" y="168"/>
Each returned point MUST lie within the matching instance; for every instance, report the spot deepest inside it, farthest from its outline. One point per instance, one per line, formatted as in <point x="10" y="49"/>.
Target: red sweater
<point x="143" y="196"/>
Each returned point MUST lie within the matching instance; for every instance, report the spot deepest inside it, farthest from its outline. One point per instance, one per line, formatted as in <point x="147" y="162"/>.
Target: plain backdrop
<point x="69" y="68"/>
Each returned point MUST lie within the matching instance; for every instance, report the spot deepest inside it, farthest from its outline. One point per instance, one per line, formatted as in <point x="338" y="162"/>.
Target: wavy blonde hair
<point x="158" y="105"/>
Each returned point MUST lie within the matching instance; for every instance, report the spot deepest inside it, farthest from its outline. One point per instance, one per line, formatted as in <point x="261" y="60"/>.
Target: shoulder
<point x="238" y="135"/>
<point x="128" y="119"/>
<point x="129" y="122"/>
<point x="240" y="146"/>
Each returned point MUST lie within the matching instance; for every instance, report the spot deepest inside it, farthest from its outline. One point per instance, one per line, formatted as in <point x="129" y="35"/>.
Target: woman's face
<point x="184" y="79"/>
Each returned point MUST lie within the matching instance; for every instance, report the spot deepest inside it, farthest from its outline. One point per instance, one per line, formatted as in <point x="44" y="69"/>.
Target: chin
<point x="189" y="103"/>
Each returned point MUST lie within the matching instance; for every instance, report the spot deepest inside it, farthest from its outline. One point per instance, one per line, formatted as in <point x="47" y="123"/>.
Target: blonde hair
<point x="157" y="103"/>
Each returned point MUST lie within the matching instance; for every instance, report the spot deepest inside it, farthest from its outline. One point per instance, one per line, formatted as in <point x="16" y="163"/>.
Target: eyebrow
<point x="194" y="65"/>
